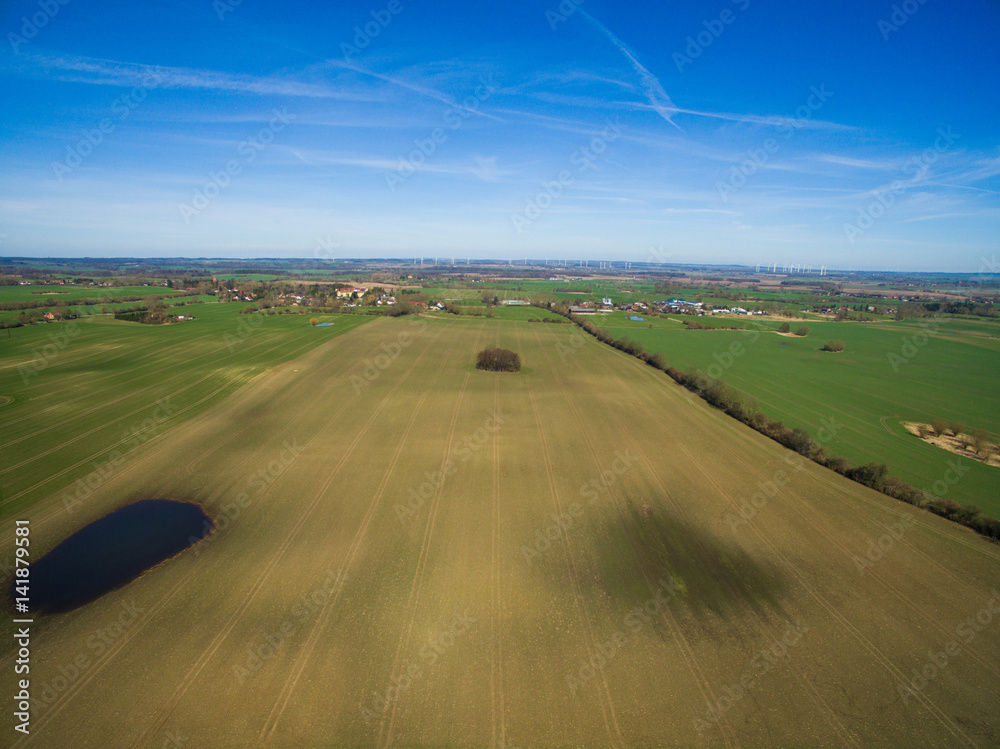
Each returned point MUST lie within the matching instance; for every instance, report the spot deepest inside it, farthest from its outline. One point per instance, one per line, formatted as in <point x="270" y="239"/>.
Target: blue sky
<point x="853" y="135"/>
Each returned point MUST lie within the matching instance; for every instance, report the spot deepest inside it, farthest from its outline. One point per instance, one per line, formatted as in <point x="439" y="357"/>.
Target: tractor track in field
<point x="185" y="366"/>
<point x="831" y="715"/>
<point x="856" y="493"/>
<point x="106" y="449"/>
<point x="69" y="379"/>
<point x="156" y="351"/>
<point x="604" y="692"/>
<point x="116" y="647"/>
<point x="115" y="421"/>
<point x="497" y="703"/>
<point x="321" y="395"/>
<point x="302" y="659"/>
<point x="276" y="557"/>
<point x="669" y="387"/>
<point x="418" y="576"/>
<point x="821" y="531"/>
<point x="704" y="684"/>
<point x="834" y="613"/>
<point x="119" y="644"/>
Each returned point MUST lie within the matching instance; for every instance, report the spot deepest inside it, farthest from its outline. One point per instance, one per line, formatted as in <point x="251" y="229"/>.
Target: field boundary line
<point x="234" y="382"/>
<point x="605" y="698"/>
<point x="799" y="674"/>
<point x="704" y="685"/>
<point x="879" y="656"/>
<point x="497" y="712"/>
<point x="418" y="576"/>
<point x="302" y="659"/>
<point x="668" y="388"/>
<point x="838" y="545"/>
<point x="203" y="660"/>
<point x="183" y="366"/>
<point x="249" y="378"/>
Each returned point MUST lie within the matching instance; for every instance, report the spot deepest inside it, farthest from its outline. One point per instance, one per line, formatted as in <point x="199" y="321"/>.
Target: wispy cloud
<point x="129" y="74"/>
<point x="880" y="165"/>
<point x="658" y="98"/>
<point x="774" y="120"/>
<point x="415" y="88"/>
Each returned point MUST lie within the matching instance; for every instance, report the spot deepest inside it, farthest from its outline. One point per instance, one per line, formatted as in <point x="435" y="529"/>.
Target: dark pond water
<point x="113" y="551"/>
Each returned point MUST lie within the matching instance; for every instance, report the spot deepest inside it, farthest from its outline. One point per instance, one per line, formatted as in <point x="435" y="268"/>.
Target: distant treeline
<point x="745" y="409"/>
<point x="54" y="301"/>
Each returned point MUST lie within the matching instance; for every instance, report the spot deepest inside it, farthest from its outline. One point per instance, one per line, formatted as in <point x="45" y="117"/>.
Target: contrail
<point x="658" y="98"/>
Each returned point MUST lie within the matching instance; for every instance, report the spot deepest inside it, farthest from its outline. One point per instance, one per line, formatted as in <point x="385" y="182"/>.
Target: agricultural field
<point x="78" y="396"/>
<point x="855" y="401"/>
<point x="408" y="551"/>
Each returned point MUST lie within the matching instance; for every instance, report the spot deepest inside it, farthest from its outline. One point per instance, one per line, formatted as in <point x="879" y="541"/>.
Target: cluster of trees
<point x="498" y="360"/>
<point x="802" y="330"/>
<point x="747" y="410"/>
<point x="976" y="439"/>
<point x="833" y="346"/>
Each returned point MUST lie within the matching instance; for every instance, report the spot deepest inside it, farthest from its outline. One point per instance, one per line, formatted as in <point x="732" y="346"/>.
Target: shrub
<point x="313" y="321"/>
<point x="870" y="474"/>
<point x="802" y="331"/>
<point x="498" y="360"/>
<point x="833" y="346"/>
<point x="980" y="438"/>
<point x="784" y="327"/>
<point x="658" y="361"/>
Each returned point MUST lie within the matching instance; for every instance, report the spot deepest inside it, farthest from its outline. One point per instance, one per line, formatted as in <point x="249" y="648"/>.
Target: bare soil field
<point x="408" y="551"/>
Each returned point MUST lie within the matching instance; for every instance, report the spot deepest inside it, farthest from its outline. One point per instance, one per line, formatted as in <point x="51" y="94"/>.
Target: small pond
<point x="113" y="551"/>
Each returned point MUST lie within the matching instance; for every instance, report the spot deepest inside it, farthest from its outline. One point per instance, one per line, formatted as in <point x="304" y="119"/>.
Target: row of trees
<point x="747" y="410"/>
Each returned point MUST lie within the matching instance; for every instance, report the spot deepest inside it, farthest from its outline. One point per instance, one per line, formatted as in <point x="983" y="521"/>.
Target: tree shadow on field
<point x="697" y="571"/>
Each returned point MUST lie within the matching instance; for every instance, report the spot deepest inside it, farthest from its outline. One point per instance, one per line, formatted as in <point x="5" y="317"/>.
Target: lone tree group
<point x="498" y="360"/>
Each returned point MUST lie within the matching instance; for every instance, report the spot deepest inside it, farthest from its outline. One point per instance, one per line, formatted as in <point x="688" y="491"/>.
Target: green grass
<point x="954" y="376"/>
<point x="79" y="390"/>
<point x="69" y="293"/>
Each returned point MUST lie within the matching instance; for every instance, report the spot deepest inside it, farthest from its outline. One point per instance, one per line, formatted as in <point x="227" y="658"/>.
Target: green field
<point x="77" y="394"/>
<point x="412" y="552"/>
<point x="945" y="368"/>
